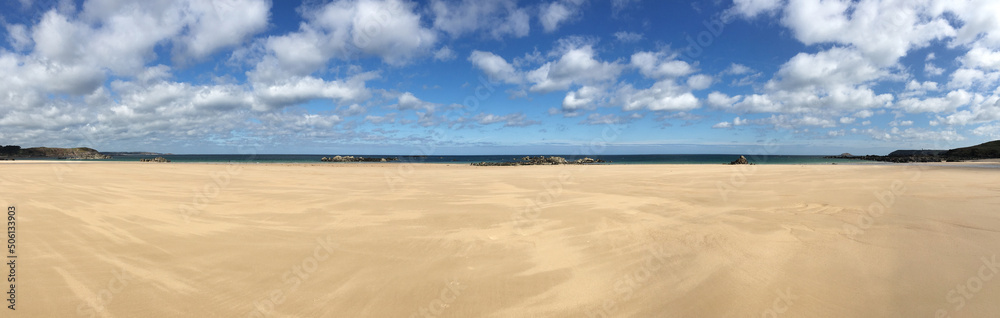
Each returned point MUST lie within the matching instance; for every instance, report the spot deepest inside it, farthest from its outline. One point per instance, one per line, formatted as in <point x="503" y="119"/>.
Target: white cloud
<point x="896" y="134"/>
<point x="752" y="8"/>
<point x="736" y="122"/>
<point x="950" y="102"/>
<point x="971" y="78"/>
<point x="502" y="18"/>
<point x="628" y="37"/>
<point x="219" y="24"/>
<point x="982" y="109"/>
<point x="556" y="13"/>
<point x="990" y="131"/>
<point x="836" y="67"/>
<point x="509" y="120"/>
<point x="388" y="118"/>
<point x="982" y="58"/>
<point x="576" y="65"/>
<point x="408" y="101"/>
<point x="660" y="65"/>
<point x="737" y="69"/>
<point x="979" y="21"/>
<point x="913" y="85"/>
<point x="847" y="120"/>
<point x="609" y="119"/>
<point x="346" y="29"/>
<point x="699" y="82"/>
<point x="883" y="31"/>
<point x="724" y="124"/>
<point x="721" y="101"/>
<point x="664" y="95"/>
<point x="585" y="97"/>
<point x="495" y="67"/>
<point x="297" y="90"/>
<point x="444" y="54"/>
<point x="18" y="36"/>
<point x="932" y="70"/>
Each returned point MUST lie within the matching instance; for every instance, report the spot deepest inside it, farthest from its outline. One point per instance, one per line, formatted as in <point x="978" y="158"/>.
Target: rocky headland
<point x="11" y="152"/>
<point x="989" y="150"/>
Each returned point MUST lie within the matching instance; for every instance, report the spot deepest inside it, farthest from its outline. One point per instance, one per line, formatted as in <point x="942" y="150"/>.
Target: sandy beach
<point x="399" y="240"/>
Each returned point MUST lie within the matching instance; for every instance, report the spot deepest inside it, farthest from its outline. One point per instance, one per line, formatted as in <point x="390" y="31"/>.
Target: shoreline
<point x="984" y="163"/>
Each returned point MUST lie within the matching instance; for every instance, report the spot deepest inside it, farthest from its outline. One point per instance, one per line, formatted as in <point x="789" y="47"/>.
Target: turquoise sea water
<point x="611" y="159"/>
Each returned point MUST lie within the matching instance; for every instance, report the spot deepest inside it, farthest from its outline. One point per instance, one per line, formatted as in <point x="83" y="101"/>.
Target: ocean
<point x="610" y="159"/>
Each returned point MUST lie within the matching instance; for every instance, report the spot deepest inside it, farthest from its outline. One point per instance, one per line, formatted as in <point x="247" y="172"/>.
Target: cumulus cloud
<point x="932" y="70"/>
<point x="501" y="18"/>
<point x="555" y="13"/>
<point x="883" y="31"/>
<point x="752" y="8"/>
<point x="660" y="65"/>
<point x="495" y="67"/>
<point x="297" y="90"/>
<point x="738" y="69"/>
<point x="585" y="97"/>
<point x="721" y="101"/>
<point x="444" y="54"/>
<point x="218" y="24"/>
<point x="577" y="65"/>
<point x="664" y="95"/>
<point x="18" y="36"/>
<point x="347" y="29"/>
<point x="699" y="81"/>
<point x="408" y="101"/>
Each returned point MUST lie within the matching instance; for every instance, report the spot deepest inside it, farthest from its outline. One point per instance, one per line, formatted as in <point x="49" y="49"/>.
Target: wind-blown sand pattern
<point x="395" y="240"/>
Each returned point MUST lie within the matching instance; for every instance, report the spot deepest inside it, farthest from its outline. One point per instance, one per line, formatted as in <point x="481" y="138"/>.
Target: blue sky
<point x="500" y="77"/>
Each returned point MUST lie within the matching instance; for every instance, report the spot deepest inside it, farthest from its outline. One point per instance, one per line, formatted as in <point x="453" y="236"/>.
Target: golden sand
<point x="397" y="240"/>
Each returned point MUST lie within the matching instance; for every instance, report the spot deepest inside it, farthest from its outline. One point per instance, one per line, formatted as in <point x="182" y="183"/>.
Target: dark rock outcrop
<point x="540" y="161"/>
<point x="741" y="161"/>
<point x="355" y="159"/>
<point x="157" y="159"/>
<point x="916" y="153"/>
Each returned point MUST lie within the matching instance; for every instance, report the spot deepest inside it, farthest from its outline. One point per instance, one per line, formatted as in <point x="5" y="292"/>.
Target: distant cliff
<point x="15" y="152"/>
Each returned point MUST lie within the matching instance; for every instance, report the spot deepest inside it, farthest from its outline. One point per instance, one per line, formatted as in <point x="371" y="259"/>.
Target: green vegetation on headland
<point x="16" y="152"/>
<point x="989" y="150"/>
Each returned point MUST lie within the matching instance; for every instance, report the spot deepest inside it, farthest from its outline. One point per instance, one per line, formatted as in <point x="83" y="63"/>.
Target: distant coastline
<point x="988" y="150"/>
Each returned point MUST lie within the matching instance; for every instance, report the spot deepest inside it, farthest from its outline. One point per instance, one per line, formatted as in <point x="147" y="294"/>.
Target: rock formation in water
<point x="355" y="159"/>
<point x="540" y="161"/>
<point x="741" y="161"/>
<point x="157" y="159"/>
